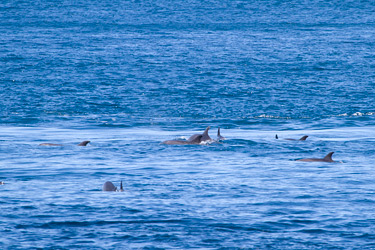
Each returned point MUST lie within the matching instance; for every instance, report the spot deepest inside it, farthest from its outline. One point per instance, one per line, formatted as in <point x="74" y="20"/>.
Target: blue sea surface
<point x="128" y="75"/>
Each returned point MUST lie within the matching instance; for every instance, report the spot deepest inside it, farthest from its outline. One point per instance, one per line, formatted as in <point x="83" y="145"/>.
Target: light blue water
<point x="127" y="75"/>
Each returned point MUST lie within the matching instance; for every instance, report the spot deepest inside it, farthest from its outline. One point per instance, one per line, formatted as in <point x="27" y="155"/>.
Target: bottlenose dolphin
<point x="303" y="138"/>
<point x="219" y="137"/>
<point x="84" y="143"/>
<point x="204" y="136"/>
<point x="194" y="139"/>
<point x="327" y="158"/>
<point x="108" y="186"/>
<point x="50" y="144"/>
<point x="121" y="188"/>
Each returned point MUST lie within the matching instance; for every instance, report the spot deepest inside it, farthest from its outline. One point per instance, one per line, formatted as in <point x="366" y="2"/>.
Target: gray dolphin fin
<point x="328" y="157"/>
<point x="206" y="131"/>
<point x="108" y="186"/>
<point x="219" y="137"/>
<point x="205" y="136"/>
<point x="121" y="187"/>
<point x="276" y="137"/>
<point x="84" y="143"/>
<point x="303" y="138"/>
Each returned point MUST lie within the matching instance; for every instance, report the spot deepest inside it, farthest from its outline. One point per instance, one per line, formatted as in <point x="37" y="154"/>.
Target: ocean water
<point x="128" y="75"/>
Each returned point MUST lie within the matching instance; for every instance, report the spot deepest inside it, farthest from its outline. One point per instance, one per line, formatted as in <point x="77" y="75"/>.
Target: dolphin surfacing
<point x="84" y="143"/>
<point x="182" y="142"/>
<point x="205" y="136"/>
<point x="327" y="158"/>
<point x="201" y="137"/>
<point x="194" y="139"/>
<point x="303" y="138"/>
<point x="109" y="187"/>
<point x="219" y="137"/>
<point x="51" y="144"/>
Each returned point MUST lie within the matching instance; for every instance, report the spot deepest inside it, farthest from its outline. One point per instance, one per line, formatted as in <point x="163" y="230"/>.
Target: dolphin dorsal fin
<point x="205" y="136"/>
<point x="84" y="143"/>
<point x="121" y="188"/>
<point x="328" y="157"/>
<point x="276" y="137"/>
<point x="205" y="133"/>
<point x="303" y="138"/>
<point x="108" y="186"/>
<point x="218" y="132"/>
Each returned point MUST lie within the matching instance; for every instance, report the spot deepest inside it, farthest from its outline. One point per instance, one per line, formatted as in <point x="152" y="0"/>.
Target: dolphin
<point x="204" y="136"/>
<point x="194" y="139"/>
<point x="327" y="158"/>
<point x="2" y="183"/>
<point x="303" y="138"/>
<point x="50" y="144"/>
<point x="219" y="137"/>
<point x="197" y="140"/>
<point x="108" y="186"/>
<point x="84" y="143"/>
<point x="121" y="187"/>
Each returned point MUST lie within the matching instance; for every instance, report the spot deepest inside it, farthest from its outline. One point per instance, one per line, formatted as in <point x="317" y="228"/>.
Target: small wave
<point x="62" y="224"/>
<point x="358" y="236"/>
<point x="230" y="226"/>
<point x="207" y="142"/>
<point x="300" y="221"/>
<point x="314" y="231"/>
<point x="272" y="116"/>
<point x="358" y="114"/>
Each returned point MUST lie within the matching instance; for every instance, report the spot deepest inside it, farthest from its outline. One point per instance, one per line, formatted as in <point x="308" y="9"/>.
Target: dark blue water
<point x="127" y="75"/>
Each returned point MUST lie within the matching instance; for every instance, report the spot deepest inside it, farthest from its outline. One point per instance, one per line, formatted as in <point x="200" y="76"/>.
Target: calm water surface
<point x="127" y="75"/>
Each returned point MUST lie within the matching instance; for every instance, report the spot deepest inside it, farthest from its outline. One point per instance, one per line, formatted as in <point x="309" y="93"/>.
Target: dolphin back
<point x="84" y="143"/>
<point x="176" y="142"/>
<point x="108" y="186"/>
<point x="194" y="138"/>
<point x="50" y="144"/>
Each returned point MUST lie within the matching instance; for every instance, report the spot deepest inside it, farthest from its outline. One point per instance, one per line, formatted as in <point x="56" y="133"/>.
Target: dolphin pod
<point x="194" y="139"/>
<point x="108" y="186"/>
<point x="84" y="143"/>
